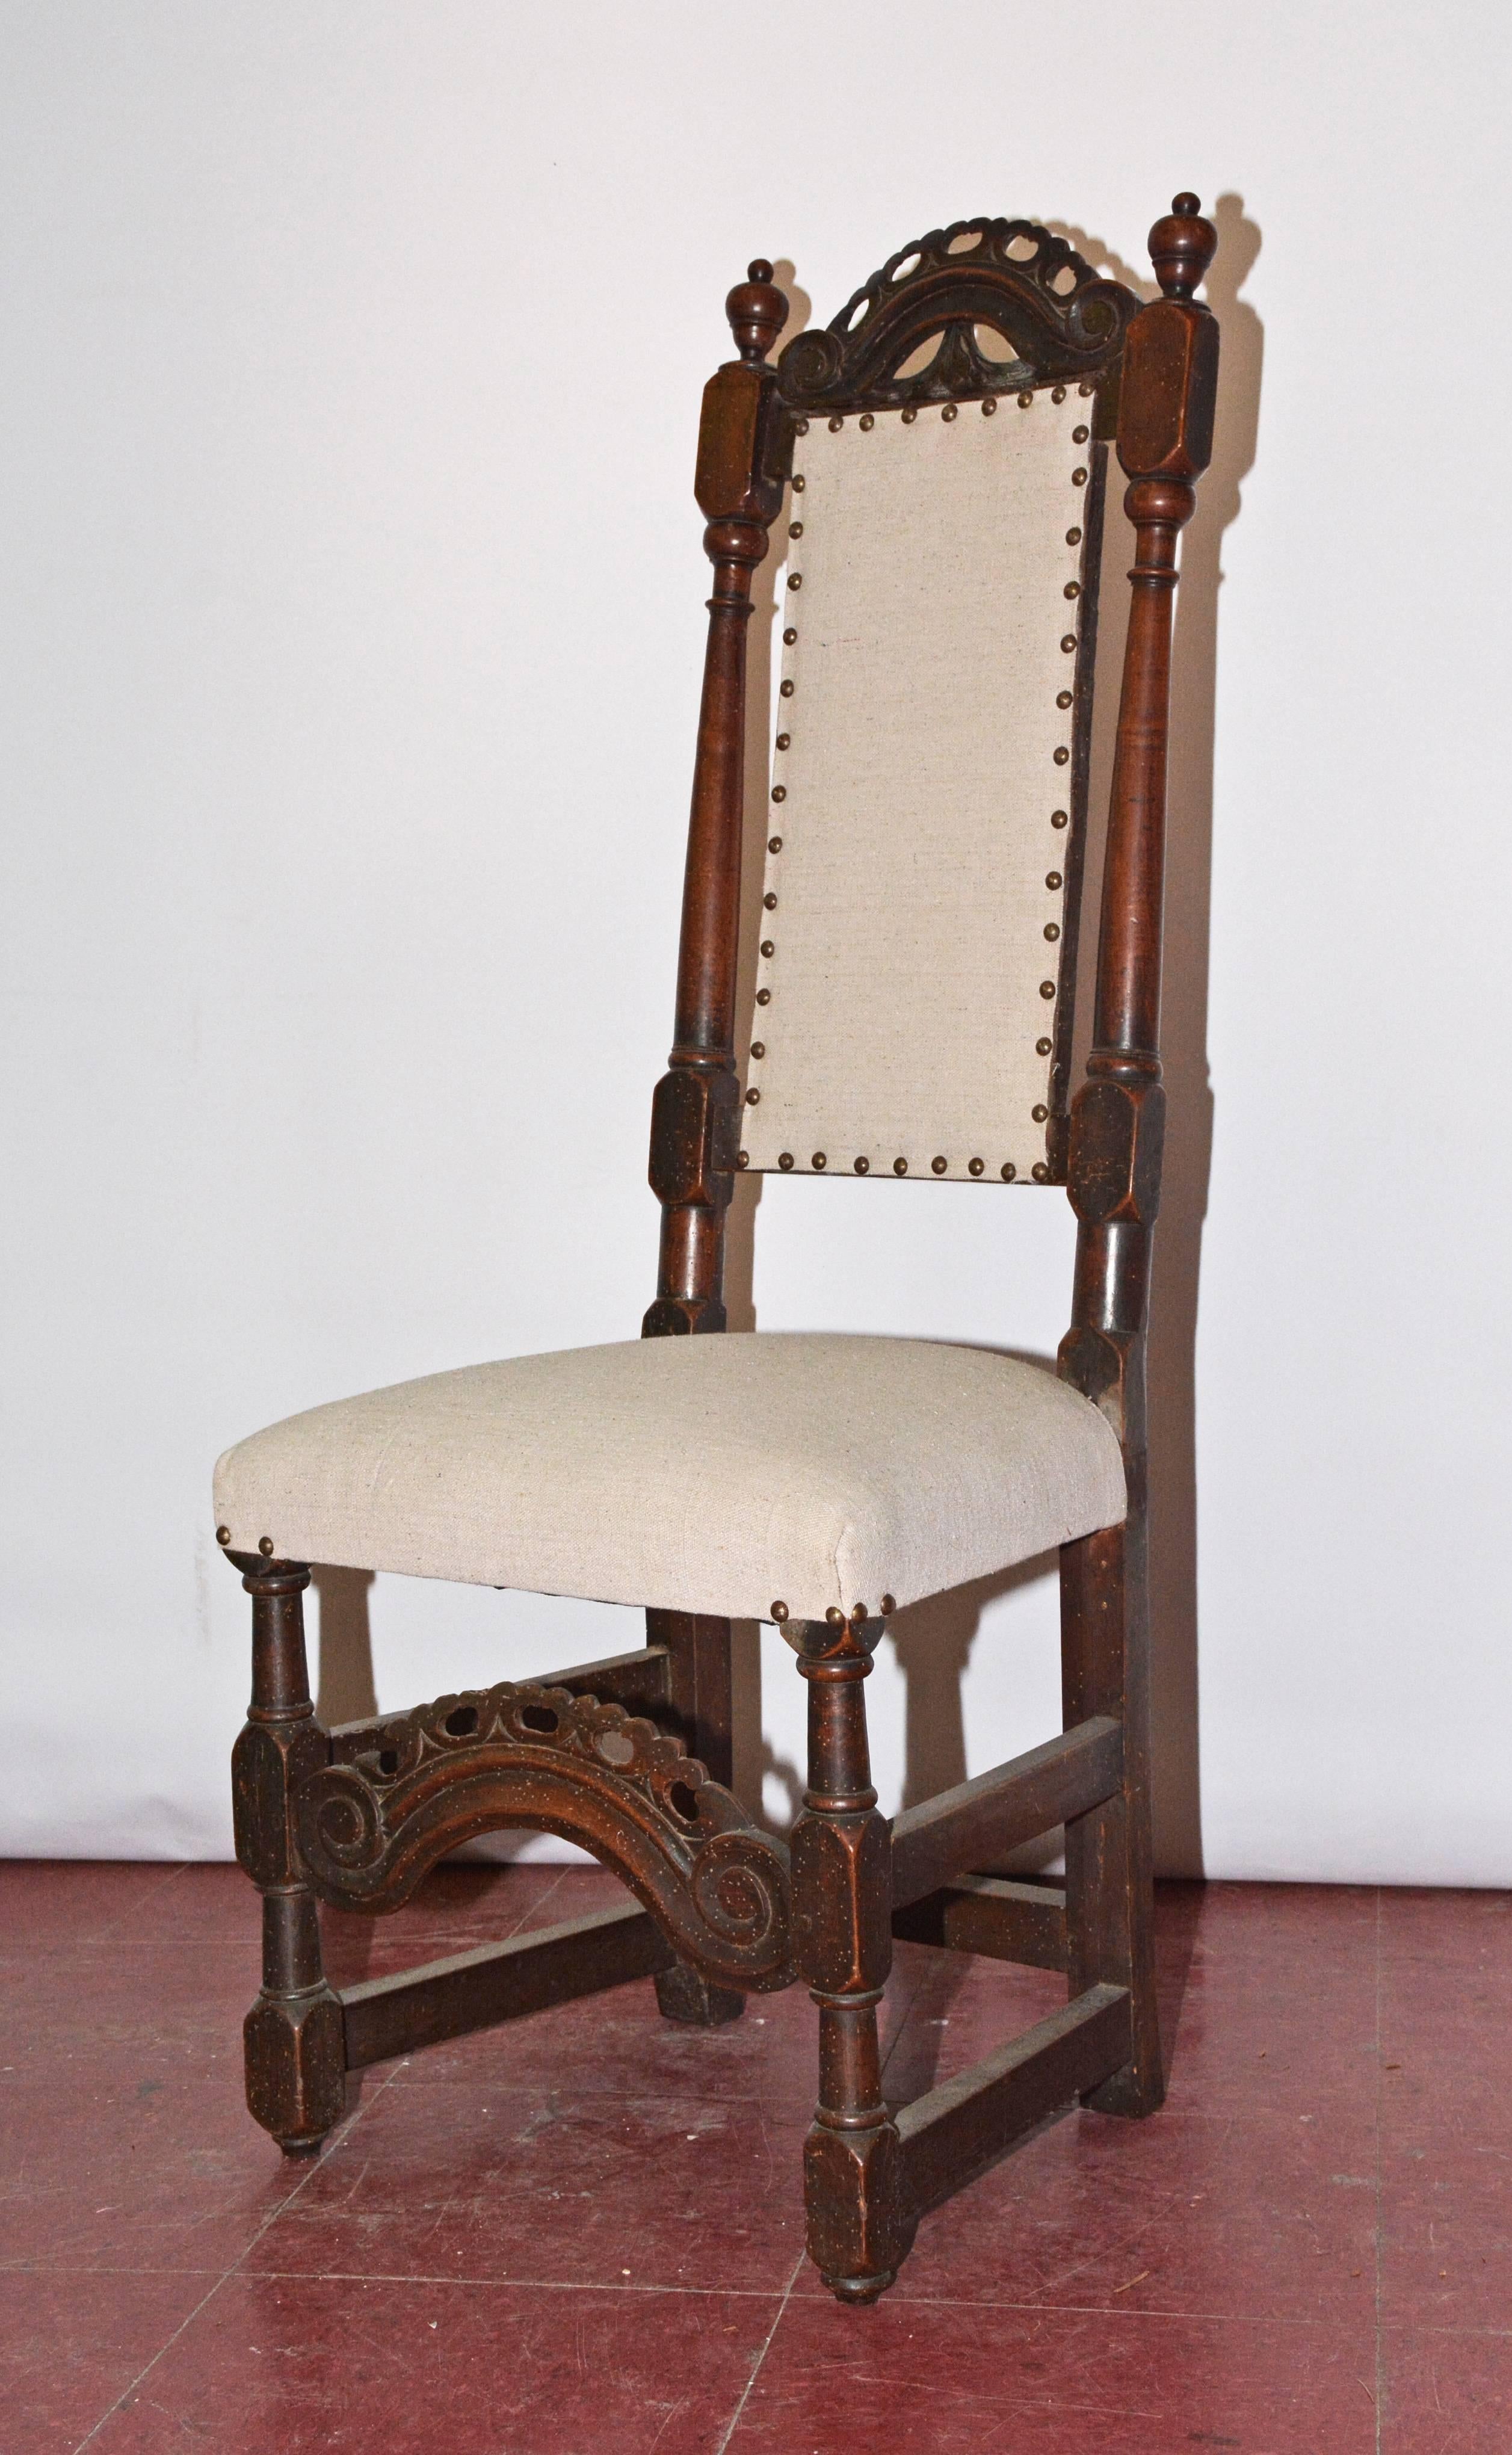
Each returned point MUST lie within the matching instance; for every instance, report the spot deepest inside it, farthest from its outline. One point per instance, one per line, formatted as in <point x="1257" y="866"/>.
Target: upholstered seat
<point x="698" y="1474"/>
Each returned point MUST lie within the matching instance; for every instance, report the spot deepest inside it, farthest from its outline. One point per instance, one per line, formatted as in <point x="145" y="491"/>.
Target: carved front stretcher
<point x="415" y="1787"/>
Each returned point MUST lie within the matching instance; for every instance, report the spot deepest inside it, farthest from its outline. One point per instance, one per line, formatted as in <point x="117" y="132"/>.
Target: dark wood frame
<point x="632" y="1755"/>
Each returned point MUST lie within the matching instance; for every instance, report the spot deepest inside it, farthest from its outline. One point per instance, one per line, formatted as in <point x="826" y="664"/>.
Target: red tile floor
<point x="583" y="2232"/>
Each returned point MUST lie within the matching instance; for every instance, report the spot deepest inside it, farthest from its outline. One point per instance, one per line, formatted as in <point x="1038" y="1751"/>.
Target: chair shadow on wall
<point x="934" y="1639"/>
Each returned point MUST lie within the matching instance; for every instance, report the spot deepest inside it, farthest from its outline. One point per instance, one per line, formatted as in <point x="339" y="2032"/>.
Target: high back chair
<point x="941" y="451"/>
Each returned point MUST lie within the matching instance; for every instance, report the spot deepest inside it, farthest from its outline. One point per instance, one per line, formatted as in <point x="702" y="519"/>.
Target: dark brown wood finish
<point x="696" y="1108"/>
<point x="499" y="1982"/>
<point x="632" y="1755"/>
<point x="295" y="2064"/>
<point x="983" y="1820"/>
<point x="843" y="1935"/>
<point x="1164" y="442"/>
<point x="992" y="1915"/>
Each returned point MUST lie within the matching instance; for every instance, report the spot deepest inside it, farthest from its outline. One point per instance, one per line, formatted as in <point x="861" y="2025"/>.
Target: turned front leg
<point x="842" y="1899"/>
<point x="295" y="2050"/>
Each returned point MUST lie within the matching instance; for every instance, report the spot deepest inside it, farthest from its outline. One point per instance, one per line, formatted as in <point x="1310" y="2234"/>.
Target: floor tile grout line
<point x="343" y="2134"/>
<point x="756" y="2367"/>
<point x="1380" y="2347"/>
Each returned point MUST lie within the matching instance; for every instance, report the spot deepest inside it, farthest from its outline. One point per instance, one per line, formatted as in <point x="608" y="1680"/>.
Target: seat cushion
<point x="721" y="1475"/>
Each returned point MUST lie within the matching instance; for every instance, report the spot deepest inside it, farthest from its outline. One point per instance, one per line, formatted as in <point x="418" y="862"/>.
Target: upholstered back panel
<point x="921" y="836"/>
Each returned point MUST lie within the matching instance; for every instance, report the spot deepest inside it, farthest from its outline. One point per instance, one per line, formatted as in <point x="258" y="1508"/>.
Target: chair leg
<point x="698" y="1695"/>
<point x="295" y="2053"/>
<point x="842" y="1917"/>
<point x="1110" y="1889"/>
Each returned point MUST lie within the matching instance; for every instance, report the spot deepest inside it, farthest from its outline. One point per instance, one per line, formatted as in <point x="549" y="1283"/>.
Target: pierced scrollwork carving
<point x="541" y="1758"/>
<point x="1058" y="315"/>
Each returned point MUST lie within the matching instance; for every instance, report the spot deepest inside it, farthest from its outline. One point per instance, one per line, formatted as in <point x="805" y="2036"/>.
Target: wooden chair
<point x="913" y="1015"/>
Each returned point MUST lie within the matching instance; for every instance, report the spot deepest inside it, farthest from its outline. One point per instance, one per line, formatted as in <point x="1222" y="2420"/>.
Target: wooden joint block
<point x="269" y="1762"/>
<point x="695" y="1136"/>
<point x="1118" y="1136"/>
<point x="1097" y="1364"/>
<point x="842" y="1932"/>
<point x="729" y="483"/>
<point x="1169" y="391"/>
<point x="681" y="1316"/>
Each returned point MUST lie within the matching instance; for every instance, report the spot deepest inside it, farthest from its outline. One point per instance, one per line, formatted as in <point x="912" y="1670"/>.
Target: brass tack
<point x="773" y="844"/>
<point x="909" y="415"/>
<point x="1062" y="756"/>
<point x="1053" y="879"/>
<point x="1052" y="930"/>
<point x="1026" y="400"/>
<point x="763" y="997"/>
<point x="1079" y="477"/>
<point x="789" y="637"/>
<point x="802" y="426"/>
<point x="265" y="1545"/>
<point x="1063" y="699"/>
<point x="1039" y="1172"/>
<point x="787" y="690"/>
<point x="767" y="948"/>
<point x="1040" y="1112"/>
<point x="1043" y="1047"/>
<point x="1086" y="389"/>
<point x="975" y="1166"/>
<point x="1007" y="1172"/>
<point x="1080" y="434"/>
<point x="784" y="1160"/>
<point x="862" y="1165"/>
<point x="1060" y="817"/>
<point x="798" y="485"/>
<point x="940" y="1165"/>
<point x="758" y="1049"/>
<point x="780" y="792"/>
<point x="834" y="1615"/>
<point x="989" y="407"/>
<point x="742" y="1159"/>
<point x="795" y="528"/>
<point x="1059" y="395"/>
<point x="783" y="740"/>
<point x="770" y="901"/>
<point x="779" y="1613"/>
<point x="887" y="1607"/>
<point x="1073" y="536"/>
<point x="867" y="423"/>
<point x="1073" y="588"/>
<point x="1047" y="988"/>
<point x="1067" y="644"/>
<point x="820" y="1161"/>
<point x="899" y="1167"/>
<point x="949" y="412"/>
<point x="858" y="1615"/>
<point x="752" y="1097"/>
<point x="223" y="1533"/>
<point x="794" y="578"/>
<point x="835" y="424"/>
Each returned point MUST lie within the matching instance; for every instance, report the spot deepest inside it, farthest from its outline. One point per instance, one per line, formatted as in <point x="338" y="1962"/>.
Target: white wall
<point x="351" y="358"/>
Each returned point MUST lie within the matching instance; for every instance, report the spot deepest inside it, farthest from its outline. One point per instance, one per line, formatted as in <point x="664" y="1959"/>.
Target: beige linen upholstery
<point x="715" y="1474"/>
<point x="916" y="929"/>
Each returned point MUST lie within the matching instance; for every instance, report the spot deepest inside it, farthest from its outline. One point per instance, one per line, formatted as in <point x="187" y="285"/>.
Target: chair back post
<point x="694" y="1111"/>
<point x="1164" y="442"/>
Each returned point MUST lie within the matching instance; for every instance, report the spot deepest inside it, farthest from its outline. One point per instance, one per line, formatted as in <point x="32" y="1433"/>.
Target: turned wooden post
<point x="695" y="1128"/>
<point x="295" y="2055"/>
<point x="1164" y="442"/>
<point x="842" y="1911"/>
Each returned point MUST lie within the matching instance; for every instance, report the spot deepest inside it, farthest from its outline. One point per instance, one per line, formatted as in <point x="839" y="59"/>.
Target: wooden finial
<point x="757" y="312"/>
<point x="1183" y="245"/>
